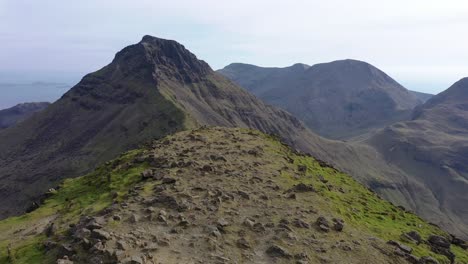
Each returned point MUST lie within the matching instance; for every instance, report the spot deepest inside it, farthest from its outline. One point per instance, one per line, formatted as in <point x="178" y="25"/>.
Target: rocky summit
<point x="220" y="195"/>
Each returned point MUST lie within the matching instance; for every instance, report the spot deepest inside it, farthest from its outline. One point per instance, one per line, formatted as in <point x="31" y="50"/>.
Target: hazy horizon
<point x="421" y="44"/>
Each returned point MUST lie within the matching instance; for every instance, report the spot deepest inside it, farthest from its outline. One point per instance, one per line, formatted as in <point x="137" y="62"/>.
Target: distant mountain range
<point x="156" y="88"/>
<point x="338" y="100"/>
<point x="13" y="115"/>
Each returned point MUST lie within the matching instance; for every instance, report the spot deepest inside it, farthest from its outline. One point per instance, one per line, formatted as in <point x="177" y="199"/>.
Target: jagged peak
<point x="164" y="56"/>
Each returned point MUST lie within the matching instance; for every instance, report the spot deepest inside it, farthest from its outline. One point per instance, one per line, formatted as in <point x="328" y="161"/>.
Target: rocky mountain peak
<point x="162" y="58"/>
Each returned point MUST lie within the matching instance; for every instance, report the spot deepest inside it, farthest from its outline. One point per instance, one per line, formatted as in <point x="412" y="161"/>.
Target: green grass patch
<point x="83" y="195"/>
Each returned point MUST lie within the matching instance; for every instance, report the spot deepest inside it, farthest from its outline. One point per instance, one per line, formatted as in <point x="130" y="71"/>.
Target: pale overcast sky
<point x="423" y="44"/>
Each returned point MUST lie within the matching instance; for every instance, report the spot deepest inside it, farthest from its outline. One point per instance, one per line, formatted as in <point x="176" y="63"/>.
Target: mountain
<point x="15" y="114"/>
<point x="423" y="97"/>
<point x="338" y="100"/>
<point x="151" y="89"/>
<point x="433" y="148"/>
<point x="155" y="88"/>
<point x="220" y="195"/>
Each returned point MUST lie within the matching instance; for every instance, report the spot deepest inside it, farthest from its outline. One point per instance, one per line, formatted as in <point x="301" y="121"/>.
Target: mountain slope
<point x="265" y="204"/>
<point x="18" y="113"/>
<point x="340" y="99"/>
<point x="433" y="148"/>
<point x="423" y="97"/>
<point x="151" y="89"/>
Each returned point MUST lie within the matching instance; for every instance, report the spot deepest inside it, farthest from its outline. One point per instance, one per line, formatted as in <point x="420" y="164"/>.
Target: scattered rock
<point x="64" y="260"/>
<point x="147" y="174"/>
<point x="134" y="219"/>
<point x="338" y="224"/>
<point x="243" y="195"/>
<point x="413" y="236"/>
<point x="168" y="180"/>
<point x="459" y="242"/>
<point x="207" y="168"/>
<point x="50" y="230"/>
<point x="253" y="152"/>
<point x="301" y="257"/>
<point x="222" y="222"/>
<point x="401" y="246"/>
<point x="302" y="168"/>
<point x="249" y="222"/>
<point x="412" y="259"/>
<point x="242" y="243"/>
<point x="276" y="251"/>
<point x="322" y="179"/>
<point x="427" y="260"/>
<point x="214" y="231"/>
<point x="117" y="218"/>
<point x="441" y="245"/>
<point x="300" y="224"/>
<point x="100" y="234"/>
<point x="214" y="157"/>
<point x="301" y="187"/>
<point x="122" y="245"/>
<point x="323" y="224"/>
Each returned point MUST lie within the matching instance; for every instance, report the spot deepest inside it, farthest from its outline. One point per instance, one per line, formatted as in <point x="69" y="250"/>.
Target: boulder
<point x="401" y="246"/>
<point x="439" y="241"/>
<point x="168" y="180"/>
<point x="300" y="224"/>
<point x="301" y="187"/>
<point x="413" y="236"/>
<point x="427" y="260"/>
<point x="64" y="260"/>
<point x="276" y="251"/>
<point x="100" y="234"/>
<point x="338" y="224"/>
<point x="242" y="243"/>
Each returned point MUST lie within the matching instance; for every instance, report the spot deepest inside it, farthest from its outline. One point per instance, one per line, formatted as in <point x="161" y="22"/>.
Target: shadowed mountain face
<point x="18" y="113"/>
<point x="433" y="148"/>
<point x="150" y="89"/>
<point x="339" y="100"/>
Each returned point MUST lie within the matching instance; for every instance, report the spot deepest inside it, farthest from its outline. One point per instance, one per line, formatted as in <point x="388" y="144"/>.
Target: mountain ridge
<point x="338" y="100"/>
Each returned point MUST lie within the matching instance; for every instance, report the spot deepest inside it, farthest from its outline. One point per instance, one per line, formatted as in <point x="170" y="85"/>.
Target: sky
<point x="423" y="44"/>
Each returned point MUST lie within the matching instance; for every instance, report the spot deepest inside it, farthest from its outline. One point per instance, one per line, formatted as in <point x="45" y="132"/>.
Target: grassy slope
<point x="357" y="205"/>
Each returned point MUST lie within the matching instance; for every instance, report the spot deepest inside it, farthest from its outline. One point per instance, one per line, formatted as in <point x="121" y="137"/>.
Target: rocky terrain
<point x="219" y="195"/>
<point x="18" y="113"/>
<point x="338" y="100"/>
